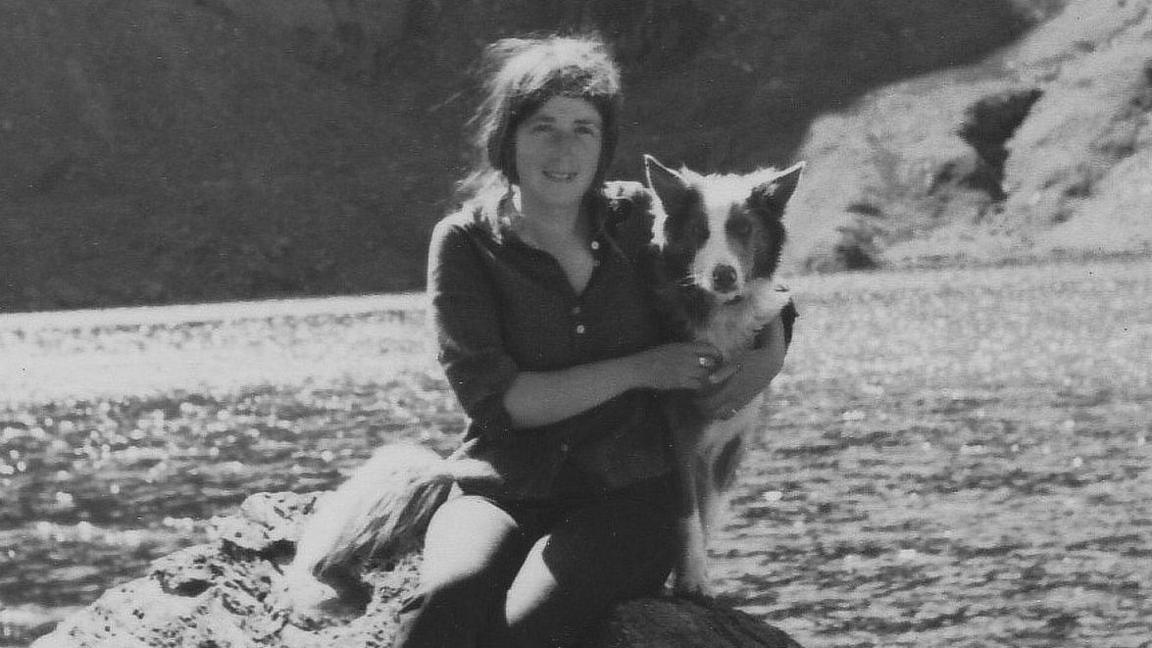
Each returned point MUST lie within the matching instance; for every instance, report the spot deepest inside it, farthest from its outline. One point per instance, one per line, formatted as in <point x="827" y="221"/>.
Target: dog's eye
<point x="739" y="227"/>
<point x="692" y="229"/>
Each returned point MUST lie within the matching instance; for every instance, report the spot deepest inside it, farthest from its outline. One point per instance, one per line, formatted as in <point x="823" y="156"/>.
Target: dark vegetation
<point x="201" y="150"/>
<point x="988" y="125"/>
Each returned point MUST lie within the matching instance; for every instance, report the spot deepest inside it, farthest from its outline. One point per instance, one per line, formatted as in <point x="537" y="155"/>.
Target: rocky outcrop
<point x="224" y="595"/>
<point x="1034" y="153"/>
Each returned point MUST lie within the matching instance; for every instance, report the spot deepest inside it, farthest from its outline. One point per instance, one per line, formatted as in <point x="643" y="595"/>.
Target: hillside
<point x="199" y="150"/>
<point x="1043" y="150"/>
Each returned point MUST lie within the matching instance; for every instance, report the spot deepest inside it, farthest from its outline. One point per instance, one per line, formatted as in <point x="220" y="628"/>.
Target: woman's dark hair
<point x="522" y="74"/>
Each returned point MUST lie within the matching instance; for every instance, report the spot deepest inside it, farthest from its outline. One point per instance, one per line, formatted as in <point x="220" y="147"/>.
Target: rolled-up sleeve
<point x="464" y="317"/>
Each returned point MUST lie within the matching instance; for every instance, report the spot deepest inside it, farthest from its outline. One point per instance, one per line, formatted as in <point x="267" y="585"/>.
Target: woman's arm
<point x="539" y="398"/>
<point x="743" y="378"/>
<point x="491" y="388"/>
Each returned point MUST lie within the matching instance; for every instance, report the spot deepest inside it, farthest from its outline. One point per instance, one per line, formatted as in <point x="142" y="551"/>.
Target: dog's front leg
<point x="692" y="568"/>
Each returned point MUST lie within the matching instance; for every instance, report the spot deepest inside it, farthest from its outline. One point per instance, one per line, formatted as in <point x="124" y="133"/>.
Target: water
<point x="955" y="458"/>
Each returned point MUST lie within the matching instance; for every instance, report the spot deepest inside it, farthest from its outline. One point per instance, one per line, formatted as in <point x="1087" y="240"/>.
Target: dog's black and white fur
<point x="719" y="239"/>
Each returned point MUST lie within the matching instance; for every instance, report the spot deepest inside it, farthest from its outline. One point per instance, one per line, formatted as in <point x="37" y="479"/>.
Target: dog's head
<point x="719" y="232"/>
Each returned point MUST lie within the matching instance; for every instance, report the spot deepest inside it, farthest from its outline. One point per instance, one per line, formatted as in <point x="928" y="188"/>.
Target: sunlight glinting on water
<point x="139" y="351"/>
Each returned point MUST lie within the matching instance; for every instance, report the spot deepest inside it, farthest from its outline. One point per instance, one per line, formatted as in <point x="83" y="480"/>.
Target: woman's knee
<point x="470" y="538"/>
<point x="472" y="550"/>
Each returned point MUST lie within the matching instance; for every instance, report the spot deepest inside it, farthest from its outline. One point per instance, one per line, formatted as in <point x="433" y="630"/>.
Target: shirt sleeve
<point x="465" y="320"/>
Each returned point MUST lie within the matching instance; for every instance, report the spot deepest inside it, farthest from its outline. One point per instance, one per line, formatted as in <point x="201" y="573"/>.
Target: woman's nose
<point x="563" y="140"/>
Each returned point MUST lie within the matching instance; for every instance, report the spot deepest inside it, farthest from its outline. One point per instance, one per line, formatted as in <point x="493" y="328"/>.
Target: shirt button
<point x="595" y="245"/>
<point x="580" y="329"/>
<point x="563" y="446"/>
<point x="575" y="310"/>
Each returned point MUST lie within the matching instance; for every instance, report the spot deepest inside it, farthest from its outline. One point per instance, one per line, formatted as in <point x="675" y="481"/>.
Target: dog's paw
<point x="691" y="581"/>
<point x="699" y="593"/>
<point x="770" y="299"/>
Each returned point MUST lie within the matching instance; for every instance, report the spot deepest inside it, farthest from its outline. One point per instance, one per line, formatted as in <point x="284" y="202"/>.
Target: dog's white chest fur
<point x="732" y="328"/>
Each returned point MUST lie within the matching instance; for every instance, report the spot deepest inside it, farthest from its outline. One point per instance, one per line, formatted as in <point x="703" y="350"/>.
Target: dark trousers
<point x="510" y="575"/>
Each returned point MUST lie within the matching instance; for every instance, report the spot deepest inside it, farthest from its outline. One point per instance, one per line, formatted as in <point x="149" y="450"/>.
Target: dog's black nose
<point x="724" y="278"/>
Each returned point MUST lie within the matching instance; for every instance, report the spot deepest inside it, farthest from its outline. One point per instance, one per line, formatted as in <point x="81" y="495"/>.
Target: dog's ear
<point x="668" y="185"/>
<point x="775" y="193"/>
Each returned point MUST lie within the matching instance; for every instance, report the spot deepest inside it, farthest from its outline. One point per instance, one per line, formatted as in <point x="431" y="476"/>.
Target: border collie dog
<point x="718" y="240"/>
<point x="715" y="244"/>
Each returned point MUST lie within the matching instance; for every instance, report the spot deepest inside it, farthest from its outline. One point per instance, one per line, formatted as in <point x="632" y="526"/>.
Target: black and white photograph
<point x="575" y="323"/>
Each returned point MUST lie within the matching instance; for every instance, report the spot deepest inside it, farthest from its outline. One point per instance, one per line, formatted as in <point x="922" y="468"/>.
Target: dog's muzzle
<point x="724" y="279"/>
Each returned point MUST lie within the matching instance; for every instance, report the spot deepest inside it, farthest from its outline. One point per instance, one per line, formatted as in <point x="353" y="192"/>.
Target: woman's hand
<point x="680" y="365"/>
<point x="538" y="398"/>
<point x="741" y="379"/>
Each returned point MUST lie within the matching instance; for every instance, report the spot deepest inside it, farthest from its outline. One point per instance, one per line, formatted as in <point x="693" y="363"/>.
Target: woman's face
<point x="557" y="153"/>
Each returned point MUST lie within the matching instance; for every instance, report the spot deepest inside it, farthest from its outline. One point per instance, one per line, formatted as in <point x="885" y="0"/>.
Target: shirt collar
<point x="503" y="212"/>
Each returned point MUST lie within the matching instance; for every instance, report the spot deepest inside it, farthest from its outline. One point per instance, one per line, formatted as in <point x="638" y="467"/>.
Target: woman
<point x="549" y="341"/>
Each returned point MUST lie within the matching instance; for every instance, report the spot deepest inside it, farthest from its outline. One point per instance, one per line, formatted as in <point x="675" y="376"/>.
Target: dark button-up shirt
<point x="499" y="306"/>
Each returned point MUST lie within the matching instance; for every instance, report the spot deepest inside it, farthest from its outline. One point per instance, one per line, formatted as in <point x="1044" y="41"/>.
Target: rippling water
<point x="955" y="458"/>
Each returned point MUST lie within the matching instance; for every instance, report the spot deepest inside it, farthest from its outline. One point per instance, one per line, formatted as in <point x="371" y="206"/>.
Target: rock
<point x="223" y="595"/>
<point x="666" y="622"/>
<point x="20" y="624"/>
<point x="266" y="521"/>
